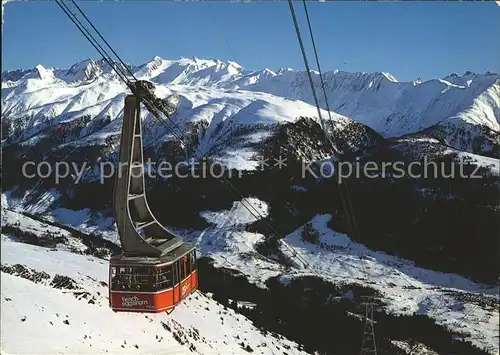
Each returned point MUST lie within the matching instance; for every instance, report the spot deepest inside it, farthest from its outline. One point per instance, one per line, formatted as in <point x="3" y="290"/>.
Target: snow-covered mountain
<point x="84" y="106"/>
<point x="238" y="116"/>
<point x="462" y="111"/>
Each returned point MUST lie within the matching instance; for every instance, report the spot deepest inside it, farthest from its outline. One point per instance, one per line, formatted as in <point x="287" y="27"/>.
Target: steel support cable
<point x="109" y="60"/>
<point x="323" y="125"/>
<point x="123" y="76"/>
<point x="279" y="240"/>
<point x="258" y="216"/>
<point x="119" y="71"/>
<point x="150" y="107"/>
<point x="308" y="71"/>
<point x="286" y="246"/>
<point x="126" y="67"/>
<point x="348" y="198"/>
<point x="316" y="56"/>
<point x="327" y="107"/>
<point x="107" y="44"/>
<point x="317" y="59"/>
<point x="349" y="208"/>
<point x="355" y="230"/>
<point x="89" y="37"/>
<point x="104" y="53"/>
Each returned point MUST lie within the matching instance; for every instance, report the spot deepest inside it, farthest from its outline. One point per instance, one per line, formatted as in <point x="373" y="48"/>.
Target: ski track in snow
<point x="232" y="247"/>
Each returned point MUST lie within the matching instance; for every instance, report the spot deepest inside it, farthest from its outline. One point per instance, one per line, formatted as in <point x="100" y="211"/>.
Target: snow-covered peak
<point x="285" y="70"/>
<point x="151" y="68"/>
<point x="15" y="75"/>
<point x="192" y="71"/>
<point x="390" y="77"/>
<point x="156" y="59"/>
<point x="44" y="73"/>
<point x="417" y="82"/>
<point x="89" y="69"/>
<point x="81" y="71"/>
<point x="234" y="64"/>
<point x="155" y="62"/>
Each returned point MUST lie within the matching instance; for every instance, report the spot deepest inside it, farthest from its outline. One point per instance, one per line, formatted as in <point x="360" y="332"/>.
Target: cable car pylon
<point x="156" y="269"/>
<point x="368" y="345"/>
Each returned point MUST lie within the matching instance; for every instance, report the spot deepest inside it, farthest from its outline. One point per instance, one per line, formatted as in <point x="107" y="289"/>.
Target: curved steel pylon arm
<point x="140" y="232"/>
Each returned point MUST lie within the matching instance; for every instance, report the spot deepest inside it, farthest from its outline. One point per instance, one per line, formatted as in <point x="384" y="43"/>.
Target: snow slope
<point x="231" y="246"/>
<point x="450" y="299"/>
<point x="453" y="301"/>
<point x="229" y="109"/>
<point x="406" y="287"/>
<point x="79" y="321"/>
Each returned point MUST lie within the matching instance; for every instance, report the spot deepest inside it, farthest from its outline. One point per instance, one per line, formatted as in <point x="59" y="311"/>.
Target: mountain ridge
<point x="458" y="105"/>
<point x="157" y="59"/>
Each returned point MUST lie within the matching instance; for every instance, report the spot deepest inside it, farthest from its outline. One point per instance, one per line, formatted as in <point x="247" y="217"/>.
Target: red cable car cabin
<point x="157" y="269"/>
<point x="149" y="285"/>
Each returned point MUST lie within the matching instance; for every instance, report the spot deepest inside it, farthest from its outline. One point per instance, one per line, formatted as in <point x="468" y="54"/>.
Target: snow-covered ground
<point x="48" y="98"/>
<point x="234" y="109"/>
<point x="38" y="318"/>
<point x="492" y="163"/>
<point x="232" y="247"/>
<point x="448" y="298"/>
<point x="83" y="220"/>
<point x="406" y="287"/>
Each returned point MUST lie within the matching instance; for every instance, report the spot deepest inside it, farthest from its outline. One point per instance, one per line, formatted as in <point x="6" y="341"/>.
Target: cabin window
<point x="183" y="266"/>
<point x="121" y="279"/>
<point x="188" y="264"/>
<point x="175" y="271"/>
<point x="193" y="260"/>
<point x="132" y="279"/>
<point x="163" y="277"/>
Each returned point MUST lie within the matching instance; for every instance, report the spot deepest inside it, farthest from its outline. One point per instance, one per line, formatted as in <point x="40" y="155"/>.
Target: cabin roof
<point x="170" y="257"/>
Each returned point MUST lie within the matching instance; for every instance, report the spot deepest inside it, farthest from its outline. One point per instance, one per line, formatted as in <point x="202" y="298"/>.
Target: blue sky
<point x="407" y="39"/>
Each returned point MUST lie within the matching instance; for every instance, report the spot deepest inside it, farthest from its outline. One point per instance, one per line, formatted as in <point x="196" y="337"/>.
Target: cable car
<point x="139" y="284"/>
<point x="156" y="269"/>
